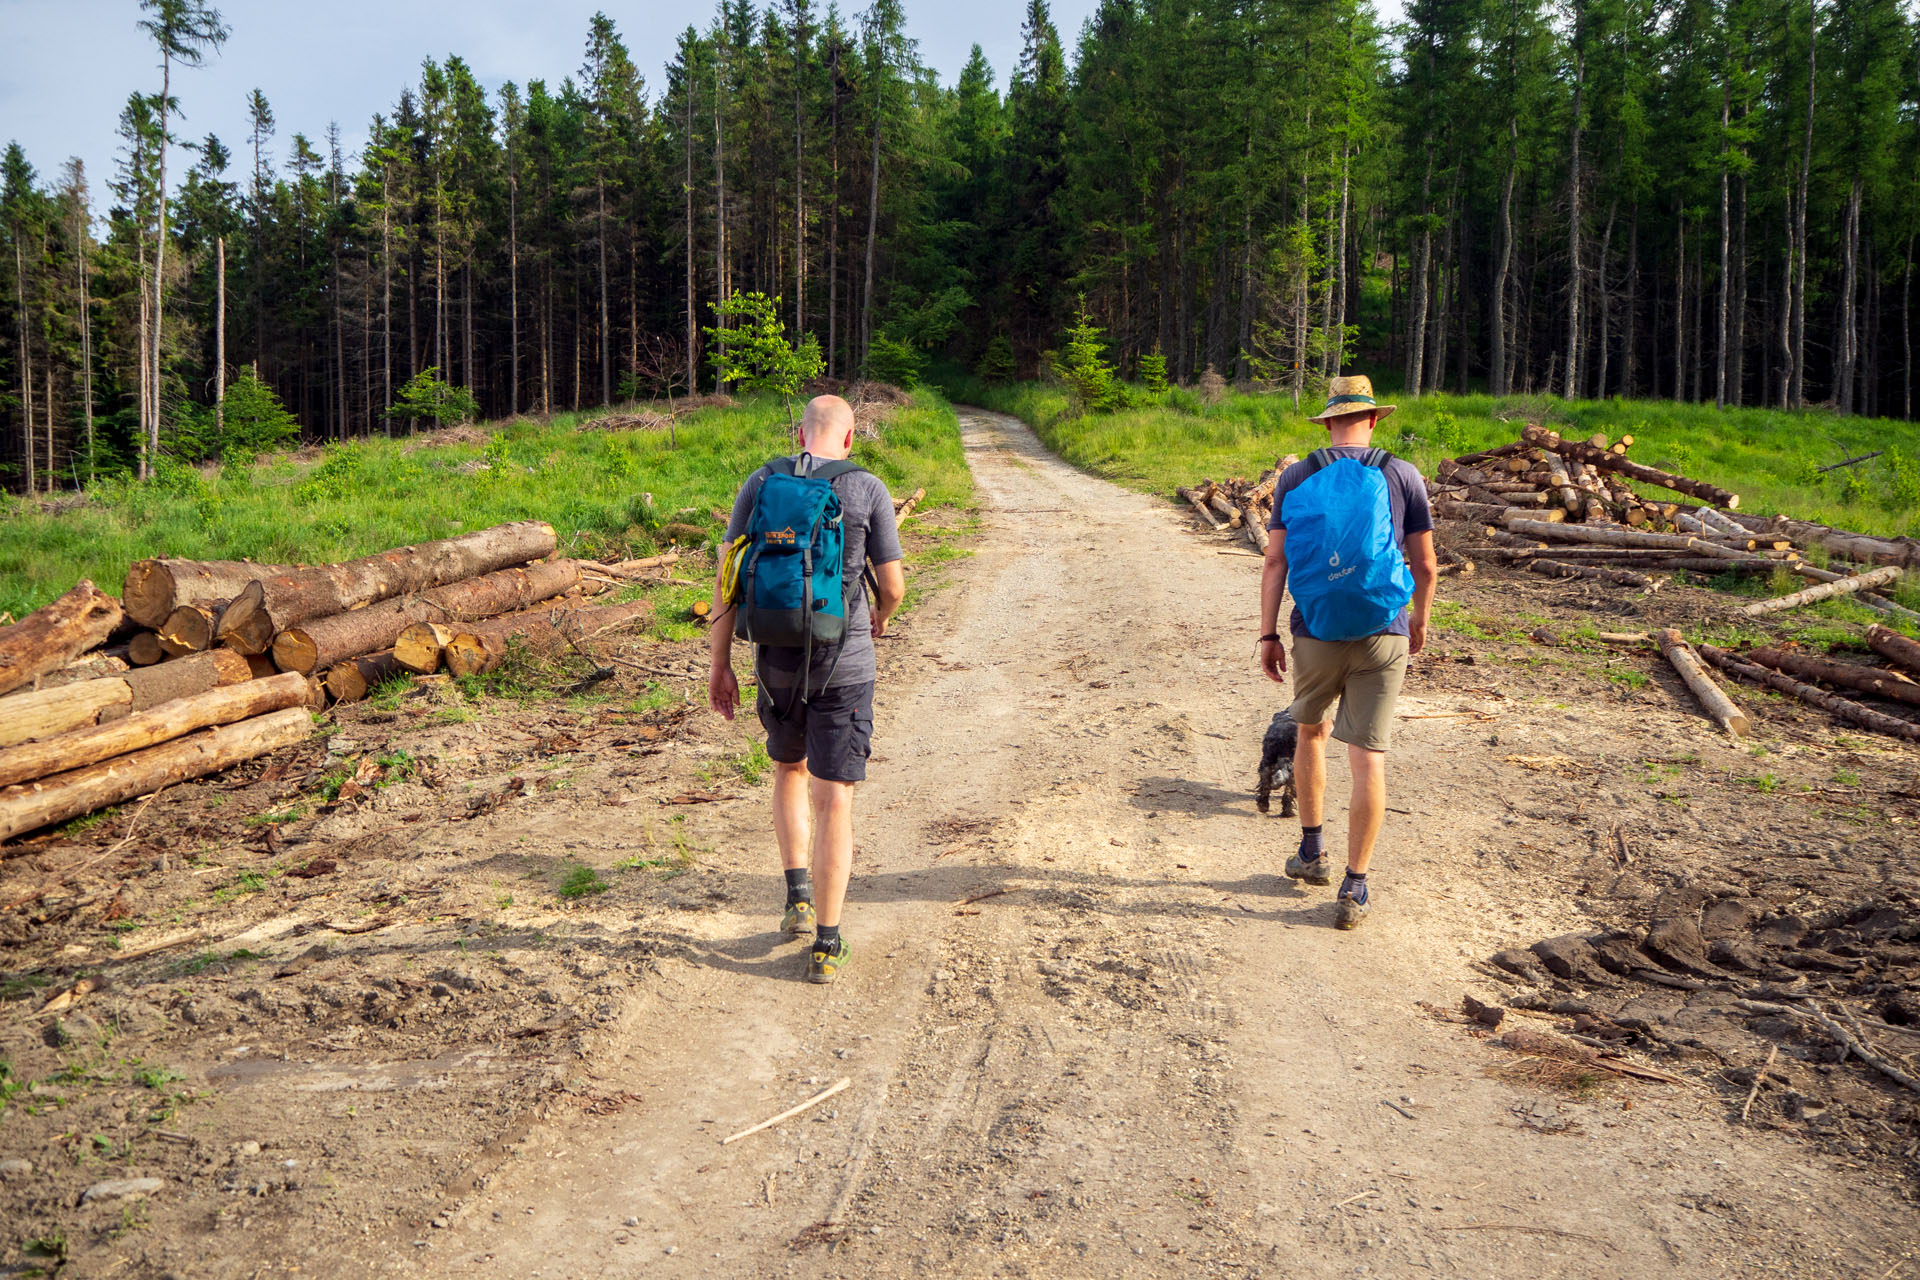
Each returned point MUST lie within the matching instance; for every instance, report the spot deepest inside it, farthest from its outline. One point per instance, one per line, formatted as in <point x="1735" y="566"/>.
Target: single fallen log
<point x="903" y="511"/>
<point x="26" y="717"/>
<point x="1619" y="577"/>
<point x="1589" y="555"/>
<point x="155" y="588"/>
<point x="1200" y="504"/>
<point x="354" y="679"/>
<point x="1872" y="599"/>
<point x="1496" y="513"/>
<point x="323" y="642"/>
<point x="1824" y="591"/>
<point x="29" y="806"/>
<point x="324" y="590"/>
<point x="1253" y="521"/>
<point x="51" y="637"/>
<point x="163" y="723"/>
<point x="1847" y="675"/>
<point x="480" y="647"/>
<point x="1889" y="644"/>
<point x="1833" y="703"/>
<point x="902" y="502"/>
<point x="1713" y="565"/>
<point x="1622" y="537"/>
<point x="188" y="629"/>
<point x="1224" y="509"/>
<point x="1848" y="545"/>
<point x="418" y="648"/>
<point x="143" y="649"/>
<point x="1717" y="704"/>
<point x="1602" y="459"/>
<point x="90" y="666"/>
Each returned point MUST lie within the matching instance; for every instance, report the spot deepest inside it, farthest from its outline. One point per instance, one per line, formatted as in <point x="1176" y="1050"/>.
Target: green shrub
<point x="996" y="362"/>
<point x="428" y="398"/>
<point x="1153" y="373"/>
<point x="1093" y="384"/>
<point x="891" y="361"/>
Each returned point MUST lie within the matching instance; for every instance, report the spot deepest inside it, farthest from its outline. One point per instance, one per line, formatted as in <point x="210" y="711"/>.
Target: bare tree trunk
<point x="1786" y="313"/>
<point x="1846" y="357"/>
<point x="339" y="351"/>
<point x="1680" y="304"/>
<point x="1340" y="274"/>
<point x="47" y="373"/>
<point x="1606" y="303"/>
<point x="1630" y="340"/>
<point x="1417" y="304"/>
<point x="873" y="231"/>
<point x="1737" y="322"/>
<point x="160" y="255"/>
<point x="799" y="192"/>
<point x="1504" y="264"/>
<point x="513" y="288"/>
<point x="219" y="341"/>
<point x="1906" y="336"/>
<point x="26" y="363"/>
<point x="606" y="314"/>
<point x="719" y="208"/>
<point x="693" y="334"/>
<point x="87" y="332"/>
<point x="1726" y="236"/>
<point x="1573" y="218"/>
<point x="1798" y="393"/>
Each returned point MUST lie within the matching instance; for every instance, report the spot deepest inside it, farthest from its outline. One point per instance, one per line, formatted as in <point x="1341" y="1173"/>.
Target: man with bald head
<point x="818" y="711"/>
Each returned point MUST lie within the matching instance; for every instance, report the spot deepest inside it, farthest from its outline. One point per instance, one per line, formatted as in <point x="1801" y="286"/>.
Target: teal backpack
<point x="791" y="594"/>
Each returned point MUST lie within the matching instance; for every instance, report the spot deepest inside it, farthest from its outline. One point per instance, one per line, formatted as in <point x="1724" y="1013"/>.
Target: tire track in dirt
<point x="1150" y="1056"/>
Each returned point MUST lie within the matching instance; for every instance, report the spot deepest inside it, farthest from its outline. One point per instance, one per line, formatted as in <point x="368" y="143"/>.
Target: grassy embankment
<point x="1766" y="456"/>
<point x="609" y="494"/>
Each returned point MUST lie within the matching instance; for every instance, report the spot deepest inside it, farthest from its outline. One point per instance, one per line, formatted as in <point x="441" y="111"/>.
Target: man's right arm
<point x="723" y="687"/>
<point x="1273" y="590"/>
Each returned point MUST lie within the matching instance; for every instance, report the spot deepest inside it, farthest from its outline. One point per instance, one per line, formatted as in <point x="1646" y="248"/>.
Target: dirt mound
<point x="655" y="418"/>
<point x="465" y="433"/>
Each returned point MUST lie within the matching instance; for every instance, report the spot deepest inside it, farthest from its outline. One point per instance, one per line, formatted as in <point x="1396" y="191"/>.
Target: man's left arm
<point x="886" y="559"/>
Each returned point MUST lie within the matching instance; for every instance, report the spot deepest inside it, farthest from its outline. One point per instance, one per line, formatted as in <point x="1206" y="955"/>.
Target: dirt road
<point x="1148" y="1054"/>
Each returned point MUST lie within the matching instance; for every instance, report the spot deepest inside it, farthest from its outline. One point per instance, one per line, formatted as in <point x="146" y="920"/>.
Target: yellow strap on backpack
<point x="730" y="561"/>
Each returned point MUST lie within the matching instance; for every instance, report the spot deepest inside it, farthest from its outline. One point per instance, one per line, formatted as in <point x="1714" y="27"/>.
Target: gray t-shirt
<point x="872" y="536"/>
<point x="1406" y="498"/>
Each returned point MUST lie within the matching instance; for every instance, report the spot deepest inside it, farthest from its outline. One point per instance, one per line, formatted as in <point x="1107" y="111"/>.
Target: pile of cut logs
<point x="1564" y="508"/>
<point x="204" y="664"/>
<point x="1239" y="504"/>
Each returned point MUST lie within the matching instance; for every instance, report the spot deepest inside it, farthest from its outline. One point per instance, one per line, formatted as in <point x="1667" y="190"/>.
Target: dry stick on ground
<point x="323" y="642"/>
<point x="163" y="723"/>
<point x="1619" y="577"/>
<point x="842" y="1083"/>
<point x="1825" y="591"/>
<point x="1866" y="679"/>
<point x="1759" y="1078"/>
<point x="1890" y="645"/>
<point x="1715" y="702"/>
<point x="1605" y="461"/>
<point x="1853" y="712"/>
<point x="49" y="638"/>
<point x="1838" y="1034"/>
<point x="1845" y="543"/>
<point x="32" y="805"/>
<point x="328" y="589"/>
<point x="25" y="717"/>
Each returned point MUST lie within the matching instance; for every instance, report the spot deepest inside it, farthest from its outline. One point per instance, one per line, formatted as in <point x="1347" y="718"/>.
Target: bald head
<point x="826" y="428"/>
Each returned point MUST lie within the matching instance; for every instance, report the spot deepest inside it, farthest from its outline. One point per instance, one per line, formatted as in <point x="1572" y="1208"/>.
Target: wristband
<point x="1271" y="635"/>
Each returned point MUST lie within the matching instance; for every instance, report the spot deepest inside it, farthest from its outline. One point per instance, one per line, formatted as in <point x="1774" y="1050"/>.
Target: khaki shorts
<point x="1364" y="675"/>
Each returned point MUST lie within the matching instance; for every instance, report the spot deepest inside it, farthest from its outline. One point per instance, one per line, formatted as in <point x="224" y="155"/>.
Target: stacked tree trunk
<point x="231" y="656"/>
<point x="1236" y="505"/>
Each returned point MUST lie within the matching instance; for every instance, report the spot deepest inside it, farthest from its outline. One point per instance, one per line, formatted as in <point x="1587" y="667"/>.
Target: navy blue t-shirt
<point x="1406" y="498"/>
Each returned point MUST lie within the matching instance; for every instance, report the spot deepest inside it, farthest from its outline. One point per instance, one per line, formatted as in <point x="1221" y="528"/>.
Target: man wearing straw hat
<point x="1363" y="552"/>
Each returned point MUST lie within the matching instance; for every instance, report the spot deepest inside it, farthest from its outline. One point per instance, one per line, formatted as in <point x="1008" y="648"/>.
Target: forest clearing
<point x="440" y="988"/>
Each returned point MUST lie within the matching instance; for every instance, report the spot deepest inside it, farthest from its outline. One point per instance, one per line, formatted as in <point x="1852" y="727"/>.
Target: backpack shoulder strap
<point x="782" y="466"/>
<point x="1316" y="460"/>
<point x="1376" y="457"/>
<point x="835" y="469"/>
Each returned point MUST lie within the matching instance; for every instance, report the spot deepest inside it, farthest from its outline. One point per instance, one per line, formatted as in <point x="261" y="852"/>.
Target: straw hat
<point x="1350" y="395"/>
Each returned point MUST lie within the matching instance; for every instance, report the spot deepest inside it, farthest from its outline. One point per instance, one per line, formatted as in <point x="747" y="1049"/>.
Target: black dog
<point x="1276" y="762"/>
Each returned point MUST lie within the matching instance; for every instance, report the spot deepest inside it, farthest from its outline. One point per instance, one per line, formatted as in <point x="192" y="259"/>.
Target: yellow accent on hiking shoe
<point x="799" y="918"/>
<point x="824" y="967"/>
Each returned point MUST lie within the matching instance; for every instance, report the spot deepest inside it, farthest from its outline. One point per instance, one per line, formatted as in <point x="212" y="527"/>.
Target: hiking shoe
<point x="1312" y="870"/>
<point x="824" y="967"/>
<point x="1352" y="905"/>
<point x="799" y="918"/>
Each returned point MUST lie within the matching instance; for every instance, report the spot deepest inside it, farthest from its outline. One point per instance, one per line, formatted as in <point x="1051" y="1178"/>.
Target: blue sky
<point x="72" y="63"/>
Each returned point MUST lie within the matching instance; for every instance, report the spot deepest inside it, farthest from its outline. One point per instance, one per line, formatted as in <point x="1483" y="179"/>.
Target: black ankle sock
<point x="1310" y="842"/>
<point x="799" y="885"/>
<point x="827" y="938"/>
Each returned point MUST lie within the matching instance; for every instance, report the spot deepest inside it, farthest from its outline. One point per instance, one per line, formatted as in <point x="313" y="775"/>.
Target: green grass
<point x="582" y="882"/>
<point x="359" y="498"/>
<point x="1766" y="456"/>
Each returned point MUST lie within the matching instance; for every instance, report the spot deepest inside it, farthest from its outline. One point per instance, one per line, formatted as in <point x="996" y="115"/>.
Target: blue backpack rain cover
<point x="1346" y="573"/>
<point x="791" y="592"/>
